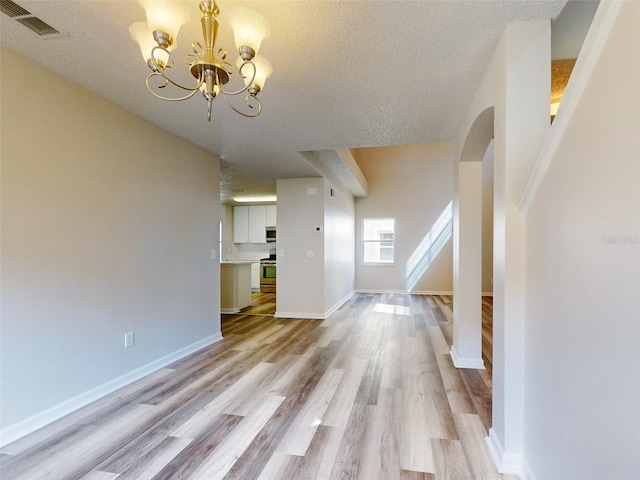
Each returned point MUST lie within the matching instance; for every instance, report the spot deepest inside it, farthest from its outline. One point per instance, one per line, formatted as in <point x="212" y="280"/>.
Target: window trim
<point x="365" y="241"/>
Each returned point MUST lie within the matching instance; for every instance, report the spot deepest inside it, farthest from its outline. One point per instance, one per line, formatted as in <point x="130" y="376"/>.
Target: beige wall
<point x="582" y="348"/>
<point x="108" y="224"/>
<point x="414" y="185"/>
<point x="300" y="282"/>
<point x="339" y="246"/>
<point x="315" y="247"/>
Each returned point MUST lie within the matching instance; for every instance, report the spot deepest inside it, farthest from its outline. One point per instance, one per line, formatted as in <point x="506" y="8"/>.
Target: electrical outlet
<point x="129" y="339"/>
<point x="310" y="253"/>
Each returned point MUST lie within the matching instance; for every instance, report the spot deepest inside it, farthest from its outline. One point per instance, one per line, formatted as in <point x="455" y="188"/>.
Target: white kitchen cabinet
<point x="240" y="224"/>
<point x="249" y="224"/>
<point x="257" y="224"/>
<point x="271" y="216"/>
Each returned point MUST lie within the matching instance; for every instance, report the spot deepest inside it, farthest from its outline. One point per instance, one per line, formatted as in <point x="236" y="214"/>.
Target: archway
<point x="466" y="351"/>
<point x="512" y="104"/>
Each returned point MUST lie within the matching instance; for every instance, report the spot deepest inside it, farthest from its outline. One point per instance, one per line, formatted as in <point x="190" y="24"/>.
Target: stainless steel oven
<point x="268" y="275"/>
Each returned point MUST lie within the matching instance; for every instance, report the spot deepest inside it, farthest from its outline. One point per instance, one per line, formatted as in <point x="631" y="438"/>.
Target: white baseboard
<point x="412" y="292"/>
<point x="308" y="316"/>
<point x="416" y="292"/>
<point x="323" y="316"/>
<point x="316" y="316"/>
<point x="229" y="311"/>
<point x="39" y="420"/>
<point x="526" y="473"/>
<point x="341" y="302"/>
<point x="507" y="463"/>
<point x="461" y="362"/>
<point x="495" y="448"/>
<point x="431" y="292"/>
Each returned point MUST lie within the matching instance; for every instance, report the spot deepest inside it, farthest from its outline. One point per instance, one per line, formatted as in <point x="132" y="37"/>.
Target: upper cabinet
<point x="240" y="224"/>
<point x="257" y="224"/>
<point x="271" y="215"/>
<point x="249" y="224"/>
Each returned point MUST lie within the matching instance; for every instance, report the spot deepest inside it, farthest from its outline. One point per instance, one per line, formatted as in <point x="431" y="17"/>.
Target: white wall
<point x="108" y="224"/>
<point x="414" y="185"/>
<point x="311" y="222"/>
<point x="582" y="342"/>
<point x="339" y="246"/>
<point x="228" y="248"/>
<point x="569" y="30"/>
<point x="487" y="221"/>
<point x="300" y="282"/>
<point x="515" y="89"/>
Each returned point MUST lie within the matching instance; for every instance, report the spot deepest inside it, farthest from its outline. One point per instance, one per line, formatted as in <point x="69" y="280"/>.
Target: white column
<point x="466" y="351"/>
<point x="522" y="123"/>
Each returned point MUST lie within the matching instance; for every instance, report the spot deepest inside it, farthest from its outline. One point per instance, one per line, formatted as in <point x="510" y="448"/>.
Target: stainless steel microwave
<point x="271" y="234"/>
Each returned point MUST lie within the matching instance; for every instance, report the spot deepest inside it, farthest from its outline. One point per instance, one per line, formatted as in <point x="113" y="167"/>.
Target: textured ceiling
<point x="346" y="74"/>
<point x="340" y="166"/>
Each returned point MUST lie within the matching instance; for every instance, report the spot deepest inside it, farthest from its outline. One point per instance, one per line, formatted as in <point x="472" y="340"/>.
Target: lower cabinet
<point x="235" y="286"/>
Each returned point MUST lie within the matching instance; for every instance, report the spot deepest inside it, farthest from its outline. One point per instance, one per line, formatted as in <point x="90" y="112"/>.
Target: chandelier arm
<point x="196" y="46"/>
<point x="167" y="79"/>
<point x="192" y="91"/>
<point x="247" y="98"/>
<point x="222" y="90"/>
<point x="157" y="61"/>
<point x="227" y="67"/>
<point x="189" y="56"/>
<point x="246" y="88"/>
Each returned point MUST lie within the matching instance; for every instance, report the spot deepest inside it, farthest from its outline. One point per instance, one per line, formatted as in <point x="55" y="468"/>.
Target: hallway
<point x="369" y="393"/>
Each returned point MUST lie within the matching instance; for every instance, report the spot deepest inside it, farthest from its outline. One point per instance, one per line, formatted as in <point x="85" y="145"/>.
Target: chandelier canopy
<point x="207" y="63"/>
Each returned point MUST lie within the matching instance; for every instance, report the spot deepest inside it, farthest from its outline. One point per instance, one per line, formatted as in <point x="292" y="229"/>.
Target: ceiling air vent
<point x="27" y="19"/>
<point x="13" y="9"/>
<point x="38" y="26"/>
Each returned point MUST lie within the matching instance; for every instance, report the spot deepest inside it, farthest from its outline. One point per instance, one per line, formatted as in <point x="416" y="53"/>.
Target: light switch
<point x="310" y="253"/>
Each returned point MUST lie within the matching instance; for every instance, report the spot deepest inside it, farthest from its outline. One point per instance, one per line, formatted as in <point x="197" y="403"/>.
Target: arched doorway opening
<point x="466" y="351"/>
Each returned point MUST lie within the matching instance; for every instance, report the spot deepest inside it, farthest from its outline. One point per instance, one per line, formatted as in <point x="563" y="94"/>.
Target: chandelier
<point x="207" y="63"/>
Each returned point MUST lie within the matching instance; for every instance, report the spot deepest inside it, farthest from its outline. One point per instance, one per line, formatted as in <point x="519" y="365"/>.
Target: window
<point x="378" y="238"/>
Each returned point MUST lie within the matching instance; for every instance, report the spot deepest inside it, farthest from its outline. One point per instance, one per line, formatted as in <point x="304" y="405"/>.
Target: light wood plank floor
<point x="369" y="393"/>
<point x="261" y="304"/>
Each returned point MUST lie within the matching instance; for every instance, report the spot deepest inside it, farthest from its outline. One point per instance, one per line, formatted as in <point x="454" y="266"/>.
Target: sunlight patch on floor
<point x="393" y="309"/>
